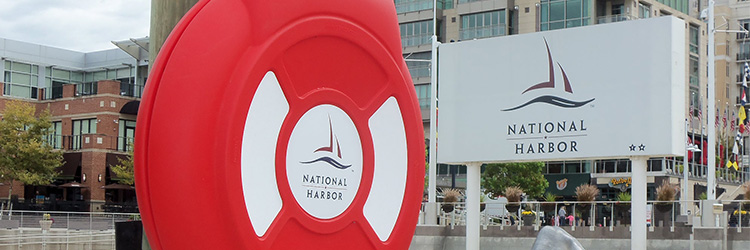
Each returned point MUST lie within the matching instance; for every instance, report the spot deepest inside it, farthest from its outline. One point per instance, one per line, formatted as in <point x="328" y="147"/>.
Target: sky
<point x="79" y="25"/>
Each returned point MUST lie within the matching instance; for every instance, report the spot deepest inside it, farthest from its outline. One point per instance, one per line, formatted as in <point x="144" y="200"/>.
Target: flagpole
<point x="711" y="178"/>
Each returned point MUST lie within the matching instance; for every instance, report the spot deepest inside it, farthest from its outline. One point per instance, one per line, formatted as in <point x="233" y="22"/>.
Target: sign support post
<point x="473" y="181"/>
<point x="431" y="210"/>
<point x="638" y="204"/>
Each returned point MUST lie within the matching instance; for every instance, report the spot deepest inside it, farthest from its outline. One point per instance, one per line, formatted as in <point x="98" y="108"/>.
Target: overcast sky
<point x="80" y="25"/>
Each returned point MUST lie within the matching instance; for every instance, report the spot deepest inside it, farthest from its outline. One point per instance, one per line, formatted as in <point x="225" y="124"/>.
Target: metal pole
<point x="638" y="204"/>
<point x="711" y="175"/>
<point x="685" y="168"/>
<point x="431" y="211"/>
<point x="472" y="205"/>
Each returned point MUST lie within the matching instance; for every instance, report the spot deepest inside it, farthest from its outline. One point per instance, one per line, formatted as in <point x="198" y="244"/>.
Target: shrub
<point x="587" y="192"/>
<point x="550" y="197"/>
<point x="513" y="194"/>
<point x="624" y="196"/>
<point x="666" y="192"/>
<point x="450" y="195"/>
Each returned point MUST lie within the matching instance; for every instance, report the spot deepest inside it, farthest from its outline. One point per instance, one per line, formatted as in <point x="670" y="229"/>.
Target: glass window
<point x="573" y="9"/>
<point x="481" y="25"/>
<point x="694" y="73"/>
<point x="416" y="33"/>
<point x="423" y="95"/>
<point x="20" y="79"/>
<point x="694" y="37"/>
<point x="558" y="14"/>
<point x="126" y="134"/>
<point x="557" y="11"/>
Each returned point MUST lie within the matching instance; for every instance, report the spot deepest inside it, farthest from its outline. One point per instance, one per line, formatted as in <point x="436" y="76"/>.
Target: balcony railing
<point x="86" y="89"/>
<point x="482" y="32"/>
<point x="130" y="89"/>
<point x="418" y="5"/>
<point x="700" y="171"/>
<point x="615" y="18"/>
<point x="409" y="41"/>
<point x="86" y="141"/>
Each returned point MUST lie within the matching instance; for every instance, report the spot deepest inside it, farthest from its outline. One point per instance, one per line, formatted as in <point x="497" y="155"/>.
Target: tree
<point x="528" y="176"/>
<point x="124" y="170"/>
<point x="25" y="155"/>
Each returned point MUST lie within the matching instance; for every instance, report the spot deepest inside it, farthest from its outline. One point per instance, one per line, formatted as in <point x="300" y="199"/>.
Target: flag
<point x="717" y="117"/>
<point x="731" y="124"/>
<point x="700" y="114"/>
<point x="743" y="100"/>
<point x="742" y="115"/>
<point x="724" y="119"/>
<point x="746" y="76"/>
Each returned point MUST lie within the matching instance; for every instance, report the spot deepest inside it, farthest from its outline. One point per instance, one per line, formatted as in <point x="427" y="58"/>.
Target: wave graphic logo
<point x="552" y="100"/>
<point x="334" y="151"/>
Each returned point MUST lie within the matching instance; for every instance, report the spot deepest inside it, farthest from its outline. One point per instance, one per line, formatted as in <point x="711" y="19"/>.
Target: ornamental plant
<point x="624" y="196"/>
<point x="666" y="192"/>
<point x="513" y="194"/>
<point x="587" y="192"/>
<point x="450" y="195"/>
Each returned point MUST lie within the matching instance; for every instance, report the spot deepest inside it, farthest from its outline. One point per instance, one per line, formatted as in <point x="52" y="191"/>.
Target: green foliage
<point x="624" y="196"/>
<point x="25" y="156"/>
<point x="703" y="196"/>
<point x="528" y="176"/>
<point x="549" y="197"/>
<point x="125" y="168"/>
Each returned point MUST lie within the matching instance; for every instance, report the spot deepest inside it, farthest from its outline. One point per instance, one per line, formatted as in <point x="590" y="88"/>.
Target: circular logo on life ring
<point x="324" y="161"/>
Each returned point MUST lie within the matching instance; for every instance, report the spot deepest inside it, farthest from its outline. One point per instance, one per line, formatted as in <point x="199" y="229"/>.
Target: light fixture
<point x="84" y="177"/>
<point x="100" y="178"/>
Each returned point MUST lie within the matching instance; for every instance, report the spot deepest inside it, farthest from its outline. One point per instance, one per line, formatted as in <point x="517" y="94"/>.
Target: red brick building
<point x="93" y="106"/>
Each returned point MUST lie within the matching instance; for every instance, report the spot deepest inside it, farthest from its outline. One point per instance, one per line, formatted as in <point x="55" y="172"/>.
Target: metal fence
<point x="579" y="214"/>
<point x="68" y="230"/>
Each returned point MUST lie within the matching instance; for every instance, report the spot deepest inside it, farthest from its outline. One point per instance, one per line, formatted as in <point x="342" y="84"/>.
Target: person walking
<point x="561" y="214"/>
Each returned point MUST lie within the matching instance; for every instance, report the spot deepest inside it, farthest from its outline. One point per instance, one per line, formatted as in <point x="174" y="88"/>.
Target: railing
<point x="700" y="171"/>
<point x="416" y="40"/>
<point x="482" y="32"/>
<point x="580" y="214"/>
<point x="86" y="89"/>
<point x="743" y="56"/>
<point x="67" y="231"/>
<point x="418" y="5"/>
<point x="421" y="70"/>
<point x="615" y="18"/>
<point x="100" y="141"/>
<point x="130" y="89"/>
<point x="52" y="93"/>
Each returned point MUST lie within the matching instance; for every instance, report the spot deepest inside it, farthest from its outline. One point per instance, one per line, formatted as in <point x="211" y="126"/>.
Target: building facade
<point x="93" y="99"/>
<point x="459" y="20"/>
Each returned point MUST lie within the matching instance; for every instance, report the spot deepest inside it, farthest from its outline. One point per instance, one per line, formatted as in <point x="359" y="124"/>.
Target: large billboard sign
<point x="270" y="127"/>
<point x="600" y="91"/>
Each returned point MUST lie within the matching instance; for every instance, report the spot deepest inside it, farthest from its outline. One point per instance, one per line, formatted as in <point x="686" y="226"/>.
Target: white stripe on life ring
<point x="262" y="126"/>
<point x="386" y="196"/>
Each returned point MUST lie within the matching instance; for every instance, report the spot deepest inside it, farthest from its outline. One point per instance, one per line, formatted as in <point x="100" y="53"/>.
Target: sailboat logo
<point x="332" y="150"/>
<point x="549" y="99"/>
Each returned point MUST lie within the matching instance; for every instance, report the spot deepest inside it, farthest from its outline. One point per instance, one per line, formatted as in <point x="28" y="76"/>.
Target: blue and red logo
<point x="335" y="151"/>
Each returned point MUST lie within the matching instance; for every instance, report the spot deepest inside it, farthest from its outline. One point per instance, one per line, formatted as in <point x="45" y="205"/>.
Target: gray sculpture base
<point x="555" y="238"/>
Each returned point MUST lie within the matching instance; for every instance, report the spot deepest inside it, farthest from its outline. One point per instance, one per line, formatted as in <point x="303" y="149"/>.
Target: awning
<point x="118" y="186"/>
<point x="73" y="185"/>
<point x="130" y="108"/>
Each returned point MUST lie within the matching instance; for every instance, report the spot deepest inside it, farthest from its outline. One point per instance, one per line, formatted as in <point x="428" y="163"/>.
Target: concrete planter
<point x="45" y="224"/>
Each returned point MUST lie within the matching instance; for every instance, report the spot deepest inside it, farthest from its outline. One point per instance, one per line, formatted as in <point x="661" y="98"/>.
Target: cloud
<point x="80" y="25"/>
